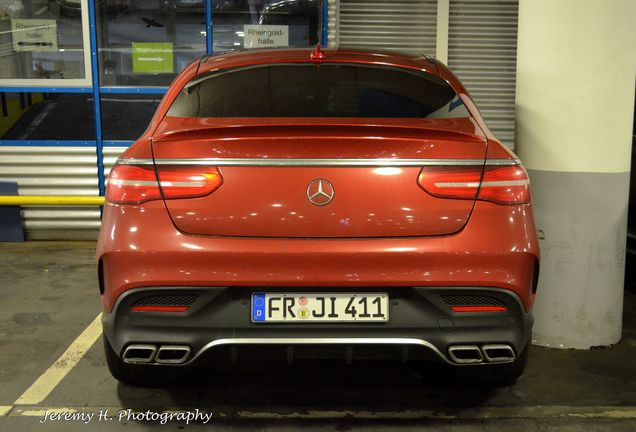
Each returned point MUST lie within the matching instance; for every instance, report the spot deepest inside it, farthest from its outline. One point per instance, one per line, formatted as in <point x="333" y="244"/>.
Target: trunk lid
<point x="320" y="178"/>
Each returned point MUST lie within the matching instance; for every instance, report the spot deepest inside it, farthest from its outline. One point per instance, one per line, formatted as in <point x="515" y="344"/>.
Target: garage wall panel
<point x="482" y="51"/>
<point x="403" y="25"/>
<point x="110" y="157"/>
<point x="54" y="170"/>
<point x="332" y="21"/>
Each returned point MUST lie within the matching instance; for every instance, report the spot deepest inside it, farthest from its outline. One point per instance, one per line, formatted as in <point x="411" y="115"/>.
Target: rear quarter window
<point x="318" y="90"/>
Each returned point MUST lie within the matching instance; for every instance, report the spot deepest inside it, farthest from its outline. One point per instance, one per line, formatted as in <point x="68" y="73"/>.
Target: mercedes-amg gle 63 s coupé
<point x="308" y="203"/>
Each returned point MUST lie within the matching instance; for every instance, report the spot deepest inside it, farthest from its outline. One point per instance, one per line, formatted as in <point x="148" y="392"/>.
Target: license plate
<point x="335" y="307"/>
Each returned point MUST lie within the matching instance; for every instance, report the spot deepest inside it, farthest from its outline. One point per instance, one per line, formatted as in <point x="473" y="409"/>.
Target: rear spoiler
<point x="436" y="130"/>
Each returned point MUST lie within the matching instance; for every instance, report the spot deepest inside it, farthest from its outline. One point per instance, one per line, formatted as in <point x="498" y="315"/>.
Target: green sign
<point x="152" y="57"/>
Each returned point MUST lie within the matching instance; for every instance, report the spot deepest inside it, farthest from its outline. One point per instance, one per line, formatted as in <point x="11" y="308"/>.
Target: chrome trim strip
<point x="319" y="341"/>
<point x="265" y="162"/>
<point x="506" y="183"/>
<point x="494" y="183"/>
<point x="137" y="183"/>
<point x="503" y="162"/>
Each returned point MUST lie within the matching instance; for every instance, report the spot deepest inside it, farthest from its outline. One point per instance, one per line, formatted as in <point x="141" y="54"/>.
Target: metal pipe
<point x="51" y="200"/>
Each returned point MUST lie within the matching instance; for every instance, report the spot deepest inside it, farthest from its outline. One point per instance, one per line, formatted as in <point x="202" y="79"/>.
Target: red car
<point x="307" y="203"/>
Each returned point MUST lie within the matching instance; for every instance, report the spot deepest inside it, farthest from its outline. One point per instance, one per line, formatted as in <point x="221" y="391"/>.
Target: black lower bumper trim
<point x="218" y="326"/>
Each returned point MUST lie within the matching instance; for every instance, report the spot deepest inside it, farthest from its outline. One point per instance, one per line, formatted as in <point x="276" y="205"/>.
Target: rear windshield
<point x="324" y="90"/>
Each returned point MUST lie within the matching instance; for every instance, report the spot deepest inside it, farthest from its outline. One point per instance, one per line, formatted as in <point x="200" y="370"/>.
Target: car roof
<point x="331" y="55"/>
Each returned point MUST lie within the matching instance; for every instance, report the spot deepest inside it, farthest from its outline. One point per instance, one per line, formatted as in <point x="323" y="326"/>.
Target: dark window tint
<point x="126" y="117"/>
<point x="326" y="90"/>
<point x="47" y="116"/>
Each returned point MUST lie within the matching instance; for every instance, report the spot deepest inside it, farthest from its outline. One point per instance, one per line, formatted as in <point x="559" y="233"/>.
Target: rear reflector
<point x="132" y="184"/>
<point x="501" y="185"/>
<point x="478" y="308"/>
<point x="160" y="308"/>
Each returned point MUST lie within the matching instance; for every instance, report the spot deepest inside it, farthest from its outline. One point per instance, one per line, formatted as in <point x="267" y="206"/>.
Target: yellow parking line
<point x="45" y="384"/>
<point x="41" y="412"/>
<point x="527" y="412"/>
<point x="4" y="410"/>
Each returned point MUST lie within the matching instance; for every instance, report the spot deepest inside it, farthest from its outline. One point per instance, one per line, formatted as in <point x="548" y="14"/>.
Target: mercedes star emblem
<point x="320" y="192"/>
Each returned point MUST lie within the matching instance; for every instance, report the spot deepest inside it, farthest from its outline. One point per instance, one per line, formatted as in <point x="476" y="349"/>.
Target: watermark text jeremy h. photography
<point x="122" y="415"/>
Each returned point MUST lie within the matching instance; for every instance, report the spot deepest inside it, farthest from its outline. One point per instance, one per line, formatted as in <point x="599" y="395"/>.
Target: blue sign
<point x="258" y="307"/>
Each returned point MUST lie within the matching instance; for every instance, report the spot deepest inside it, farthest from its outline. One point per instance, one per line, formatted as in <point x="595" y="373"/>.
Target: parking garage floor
<point x="52" y="364"/>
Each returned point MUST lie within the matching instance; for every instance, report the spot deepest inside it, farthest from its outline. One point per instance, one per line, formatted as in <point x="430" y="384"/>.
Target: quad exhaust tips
<point x="179" y="354"/>
<point x="163" y="354"/>
<point x="465" y="354"/>
<point x="139" y="353"/>
<point x="172" y="354"/>
<point x="497" y="353"/>
<point x="490" y="353"/>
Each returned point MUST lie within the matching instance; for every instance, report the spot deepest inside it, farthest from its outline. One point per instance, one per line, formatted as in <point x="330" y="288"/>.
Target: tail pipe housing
<point x="488" y="353"/>
<point x="162" y="354"/>
<point x="140" y="353"/>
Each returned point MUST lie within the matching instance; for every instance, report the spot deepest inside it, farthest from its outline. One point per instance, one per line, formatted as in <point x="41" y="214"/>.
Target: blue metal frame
<point x="325" y="23"/>
<point x="96" y="90"/>
<point x="208" y="26"/>
<point x="92" y="29"/>
<point x="133" y="90"/>
<point x="63" y="143"/>
<point x="47" y="143"/>
<point x="37" y="89"/>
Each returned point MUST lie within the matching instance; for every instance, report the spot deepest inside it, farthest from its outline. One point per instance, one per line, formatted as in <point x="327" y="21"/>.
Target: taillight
<point x="132" y="184"/>
<point x="188" y="182"/>
<point x="505" y="185"/>
<point x="135" y="184"/>
<point x="498" y="184"/>
<point x="451" y="181"/>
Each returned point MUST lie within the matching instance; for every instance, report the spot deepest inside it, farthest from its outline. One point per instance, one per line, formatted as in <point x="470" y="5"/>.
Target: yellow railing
<point x="46" y="200"/>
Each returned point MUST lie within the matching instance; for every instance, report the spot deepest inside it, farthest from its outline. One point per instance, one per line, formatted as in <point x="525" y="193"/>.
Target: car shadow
<point x="278" y="389"/>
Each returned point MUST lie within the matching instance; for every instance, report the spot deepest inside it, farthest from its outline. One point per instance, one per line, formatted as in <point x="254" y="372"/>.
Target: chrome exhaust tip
<point x="498" y="353"/>
<point x="139" y="353"/>
<point x="465" y="354"/>
<point x="172" y="354"/>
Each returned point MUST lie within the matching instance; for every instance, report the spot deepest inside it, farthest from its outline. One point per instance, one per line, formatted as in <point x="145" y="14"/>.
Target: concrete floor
<point x="49" y="295"/>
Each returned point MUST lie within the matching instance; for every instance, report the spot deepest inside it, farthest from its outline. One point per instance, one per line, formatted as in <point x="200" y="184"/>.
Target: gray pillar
<point x="576" y="69"/>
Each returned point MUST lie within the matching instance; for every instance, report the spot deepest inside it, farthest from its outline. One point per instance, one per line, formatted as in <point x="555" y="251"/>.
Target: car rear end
<point x="344" y="206"/>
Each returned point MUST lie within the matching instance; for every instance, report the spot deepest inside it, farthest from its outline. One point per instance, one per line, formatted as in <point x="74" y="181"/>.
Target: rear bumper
<point x="140" y="247"/>
<point x="217" y="327"/>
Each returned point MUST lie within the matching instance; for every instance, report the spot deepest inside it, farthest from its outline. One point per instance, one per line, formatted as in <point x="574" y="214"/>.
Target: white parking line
<point x="45" y="384"/>
<point x="4" y="410"/>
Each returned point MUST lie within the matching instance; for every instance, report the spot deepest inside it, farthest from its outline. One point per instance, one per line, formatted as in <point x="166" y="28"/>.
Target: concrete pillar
<point x="576" y="69"/>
